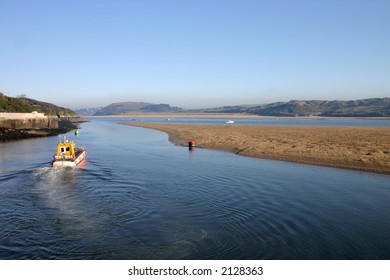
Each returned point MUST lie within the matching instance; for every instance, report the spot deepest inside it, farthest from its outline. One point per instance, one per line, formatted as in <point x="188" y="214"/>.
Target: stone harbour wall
<point x="32" y="120"/>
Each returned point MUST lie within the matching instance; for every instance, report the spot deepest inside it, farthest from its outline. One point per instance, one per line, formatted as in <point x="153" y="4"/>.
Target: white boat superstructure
<point x="68" y="155"/>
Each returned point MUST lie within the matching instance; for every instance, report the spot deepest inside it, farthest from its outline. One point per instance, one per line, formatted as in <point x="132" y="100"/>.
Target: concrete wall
<point x="27" y="121"/>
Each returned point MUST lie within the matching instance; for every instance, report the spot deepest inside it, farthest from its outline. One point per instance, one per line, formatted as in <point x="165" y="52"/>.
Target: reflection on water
<point x="57" y="190"/>
<point x="140" y="197"/>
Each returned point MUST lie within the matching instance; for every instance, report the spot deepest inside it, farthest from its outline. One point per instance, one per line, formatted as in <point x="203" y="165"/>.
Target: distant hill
<point x="87" y="111"/>
<point x="373" y="107"/>
<point x="131" y="107"/>
<point x="225" y="109"/>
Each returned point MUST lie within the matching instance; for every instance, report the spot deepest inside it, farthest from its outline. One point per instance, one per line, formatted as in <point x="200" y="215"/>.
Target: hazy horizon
<point x="210" y="107"/>
<point x="194" y="54"/>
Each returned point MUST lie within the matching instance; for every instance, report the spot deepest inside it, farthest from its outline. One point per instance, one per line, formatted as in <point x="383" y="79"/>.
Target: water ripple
<point x="151" y="200"/>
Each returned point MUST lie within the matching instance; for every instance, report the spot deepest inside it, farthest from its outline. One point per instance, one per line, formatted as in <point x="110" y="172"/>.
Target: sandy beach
<point x="359" y="148"/>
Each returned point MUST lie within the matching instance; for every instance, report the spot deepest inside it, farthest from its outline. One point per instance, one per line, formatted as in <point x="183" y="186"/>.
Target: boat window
<point x="67" y="149"/>
<point x="62" y="150"/>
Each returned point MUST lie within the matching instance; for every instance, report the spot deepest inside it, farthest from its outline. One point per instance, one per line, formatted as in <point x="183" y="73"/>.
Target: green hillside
<point x="26" y="105"/>
<point x="130" y="107"/>
<point x="15" y="105"/>
<point x="372" y="107"/>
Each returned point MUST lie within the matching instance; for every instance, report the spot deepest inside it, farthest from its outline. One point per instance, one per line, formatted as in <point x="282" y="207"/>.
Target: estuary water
<point x="137" y="196"/>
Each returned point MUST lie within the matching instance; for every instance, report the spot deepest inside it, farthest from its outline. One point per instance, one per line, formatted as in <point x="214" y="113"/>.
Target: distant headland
<point x="372" y="107"/>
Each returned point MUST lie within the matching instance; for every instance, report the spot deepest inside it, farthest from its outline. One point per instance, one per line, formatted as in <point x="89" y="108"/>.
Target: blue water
<point x="140" y="197"/>
<point x="265" y="121"/>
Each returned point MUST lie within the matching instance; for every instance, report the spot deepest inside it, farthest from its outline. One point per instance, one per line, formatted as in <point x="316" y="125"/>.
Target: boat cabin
<point x="66" y="150"/>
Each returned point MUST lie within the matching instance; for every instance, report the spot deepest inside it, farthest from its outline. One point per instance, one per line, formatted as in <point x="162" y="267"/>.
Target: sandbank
<point x="359" y="148"/>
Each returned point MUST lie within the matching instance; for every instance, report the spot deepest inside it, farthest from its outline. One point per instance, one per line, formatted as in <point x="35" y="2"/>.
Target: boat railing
<point x="63" y="157"/>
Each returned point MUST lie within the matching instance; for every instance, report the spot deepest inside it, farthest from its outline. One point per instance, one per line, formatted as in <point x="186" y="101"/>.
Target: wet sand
<point x="360" y="148"/>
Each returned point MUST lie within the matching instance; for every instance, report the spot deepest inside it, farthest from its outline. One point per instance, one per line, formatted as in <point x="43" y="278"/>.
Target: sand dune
<point x="361" y="148"/>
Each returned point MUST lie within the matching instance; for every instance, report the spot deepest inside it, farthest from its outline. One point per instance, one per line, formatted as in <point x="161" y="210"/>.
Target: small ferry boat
<point x="230" y="121"/>
<point x="68" y="155"/>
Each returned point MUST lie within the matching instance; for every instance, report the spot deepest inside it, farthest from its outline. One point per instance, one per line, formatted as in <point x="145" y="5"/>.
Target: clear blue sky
<point x="194" y="53"/>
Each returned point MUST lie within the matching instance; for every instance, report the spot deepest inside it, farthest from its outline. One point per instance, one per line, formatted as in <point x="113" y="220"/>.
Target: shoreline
<point x="140" y="115"/>
<point x="357" y="148"/>
<point x="12" y="134"/>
